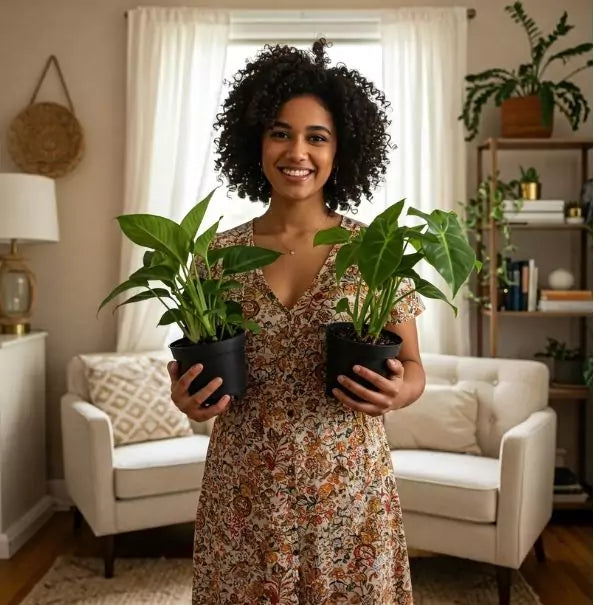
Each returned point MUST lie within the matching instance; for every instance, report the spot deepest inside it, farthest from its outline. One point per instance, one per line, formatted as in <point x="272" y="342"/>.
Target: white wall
<point x="89" y="39"/>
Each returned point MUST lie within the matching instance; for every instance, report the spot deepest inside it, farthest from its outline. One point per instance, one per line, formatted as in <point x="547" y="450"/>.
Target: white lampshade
<point x="28" y="211"/>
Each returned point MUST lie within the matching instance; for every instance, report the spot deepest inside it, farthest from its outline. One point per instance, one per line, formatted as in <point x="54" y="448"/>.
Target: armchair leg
<point x="539" y="550"/>
<point x="504" y="584"/>
<point x="108" y="554"/>
<point x="77" y="519"/>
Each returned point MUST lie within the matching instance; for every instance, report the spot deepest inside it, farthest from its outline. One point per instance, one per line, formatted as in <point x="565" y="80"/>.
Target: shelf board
<point x="541" y="226"/>
<point x="560" y="391"/>
<point x="587" y="505"/>
<point x="487" y="313"/>
<point x="536" y="144"/>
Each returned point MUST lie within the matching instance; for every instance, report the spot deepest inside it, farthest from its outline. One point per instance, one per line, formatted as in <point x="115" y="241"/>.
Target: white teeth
<point x="294" y="172"/>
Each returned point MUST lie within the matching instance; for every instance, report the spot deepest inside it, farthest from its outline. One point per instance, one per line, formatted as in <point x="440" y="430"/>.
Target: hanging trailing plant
<point x="476" y="216"/>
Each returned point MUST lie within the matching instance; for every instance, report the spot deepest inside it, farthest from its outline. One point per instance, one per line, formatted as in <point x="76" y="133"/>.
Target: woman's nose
<point x="297" y="149"/>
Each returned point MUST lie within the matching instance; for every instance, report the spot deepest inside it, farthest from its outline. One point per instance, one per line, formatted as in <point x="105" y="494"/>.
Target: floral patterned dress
<point x="298" y="502"/>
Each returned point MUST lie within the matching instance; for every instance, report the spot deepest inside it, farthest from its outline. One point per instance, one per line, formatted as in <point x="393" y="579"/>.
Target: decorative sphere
<point x="561" y="279"/>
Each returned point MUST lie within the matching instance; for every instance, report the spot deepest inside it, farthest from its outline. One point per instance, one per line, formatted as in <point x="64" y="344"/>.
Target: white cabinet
<point x="24" y="502"/>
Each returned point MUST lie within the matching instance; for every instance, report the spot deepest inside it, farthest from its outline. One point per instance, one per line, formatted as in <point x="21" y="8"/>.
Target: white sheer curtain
<point x="424" y="63"/>
<point x="176" y="59"/>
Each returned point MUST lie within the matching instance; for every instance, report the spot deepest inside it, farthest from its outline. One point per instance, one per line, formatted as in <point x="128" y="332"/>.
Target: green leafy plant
<point x="529" y="78"/>
<point x="477" y="214"/>
<point x="529" y="175"/>
<point x="385" y="253"/>
<point x="196" y="280"/>
<point x="556" y="349"/>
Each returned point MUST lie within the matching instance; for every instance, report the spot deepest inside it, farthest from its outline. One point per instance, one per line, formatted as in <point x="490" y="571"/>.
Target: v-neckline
<point x="315" y="280"/>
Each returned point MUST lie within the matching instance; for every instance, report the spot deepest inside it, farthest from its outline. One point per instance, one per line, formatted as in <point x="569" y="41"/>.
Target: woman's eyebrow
<point x="279" y="124"/>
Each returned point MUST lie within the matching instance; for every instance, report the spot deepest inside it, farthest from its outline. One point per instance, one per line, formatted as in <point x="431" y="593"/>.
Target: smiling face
<point x="298" y="150"/>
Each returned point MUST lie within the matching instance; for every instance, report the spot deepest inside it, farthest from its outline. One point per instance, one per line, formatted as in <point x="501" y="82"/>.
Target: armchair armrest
<point x="87" y="438"/>
<point x="527" y="463"/>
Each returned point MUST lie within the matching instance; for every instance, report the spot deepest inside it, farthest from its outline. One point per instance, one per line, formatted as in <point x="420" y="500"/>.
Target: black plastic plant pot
<point x="224" y="359"/>
<point x="343" y="352"/>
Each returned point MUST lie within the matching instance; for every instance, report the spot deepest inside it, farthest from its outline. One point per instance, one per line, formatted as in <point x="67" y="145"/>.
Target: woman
<point x="298" y="500"/>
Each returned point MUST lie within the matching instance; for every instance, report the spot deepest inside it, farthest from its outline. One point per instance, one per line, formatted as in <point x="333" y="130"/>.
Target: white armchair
<point x="494" y="507"/>
<point x="130" y="487"/>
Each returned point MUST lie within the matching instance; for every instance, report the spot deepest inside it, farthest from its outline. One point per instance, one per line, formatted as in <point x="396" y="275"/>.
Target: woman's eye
<point x="316" y="138"/>
<point x="278" y="134"/>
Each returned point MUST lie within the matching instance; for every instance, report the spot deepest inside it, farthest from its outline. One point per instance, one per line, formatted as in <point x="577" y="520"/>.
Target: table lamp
<point x="28" y="215"/>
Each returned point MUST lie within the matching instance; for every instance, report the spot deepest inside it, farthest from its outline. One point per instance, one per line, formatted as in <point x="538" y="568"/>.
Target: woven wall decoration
<point x="46" y="138"/>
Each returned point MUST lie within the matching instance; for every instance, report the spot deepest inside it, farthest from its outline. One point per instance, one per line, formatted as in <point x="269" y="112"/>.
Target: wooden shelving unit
<point x="487" y="340"/>
<point x="493" y="146"/>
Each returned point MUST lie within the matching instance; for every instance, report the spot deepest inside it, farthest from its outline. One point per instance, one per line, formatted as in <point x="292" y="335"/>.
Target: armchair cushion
<point x="134" y="392"/>
<point x="442" y="419"/>
<point x="443" y="484"/>
<point x="159" y="467"/>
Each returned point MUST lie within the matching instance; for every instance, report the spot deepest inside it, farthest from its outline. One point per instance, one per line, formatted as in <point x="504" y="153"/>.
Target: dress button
<point x="295" y="552"/>
<point x="290" y="413"/>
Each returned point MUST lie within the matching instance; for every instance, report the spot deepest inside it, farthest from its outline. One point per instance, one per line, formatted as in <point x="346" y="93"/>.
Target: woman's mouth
<point x="296" y="174"/>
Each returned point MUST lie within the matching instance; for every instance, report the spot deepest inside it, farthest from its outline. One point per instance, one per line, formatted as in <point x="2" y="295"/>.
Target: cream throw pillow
<point x="443" y="419"/>
<point x="135" y="392"/>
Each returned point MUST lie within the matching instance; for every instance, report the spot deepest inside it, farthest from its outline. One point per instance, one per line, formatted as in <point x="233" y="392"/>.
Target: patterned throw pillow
<point x="134" y="391"/>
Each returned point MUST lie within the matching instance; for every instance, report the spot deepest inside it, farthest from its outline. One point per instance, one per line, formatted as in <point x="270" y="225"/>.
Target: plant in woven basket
<point x="530" y="79"/>
<point x="477" y="214"/>
<point x="382" y="259"/>
<point x="196" y="290"/>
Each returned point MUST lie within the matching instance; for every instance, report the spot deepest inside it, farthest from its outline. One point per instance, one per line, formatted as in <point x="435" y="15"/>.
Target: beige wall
<point x="89" y="38"/>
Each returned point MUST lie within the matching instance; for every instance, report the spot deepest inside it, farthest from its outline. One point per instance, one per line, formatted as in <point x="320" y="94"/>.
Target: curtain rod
<point x="470" y="13"/>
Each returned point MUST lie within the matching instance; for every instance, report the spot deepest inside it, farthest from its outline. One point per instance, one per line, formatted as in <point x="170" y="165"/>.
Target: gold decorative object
<point x="530" y="191"/>
<point x="46" y="138"/>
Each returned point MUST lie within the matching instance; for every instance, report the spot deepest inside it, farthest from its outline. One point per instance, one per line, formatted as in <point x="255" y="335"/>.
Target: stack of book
<point x="522" y="293"/>
<point x="535" y="211"/>
<point x="567" y="488"/>
<point x="565" y="300"/>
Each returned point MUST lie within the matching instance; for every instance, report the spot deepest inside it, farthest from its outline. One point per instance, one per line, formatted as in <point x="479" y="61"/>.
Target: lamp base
<point x="17" y="328"/>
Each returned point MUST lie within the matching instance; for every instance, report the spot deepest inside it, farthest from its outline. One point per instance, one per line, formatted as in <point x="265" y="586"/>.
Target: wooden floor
<point x="565" y="578"/>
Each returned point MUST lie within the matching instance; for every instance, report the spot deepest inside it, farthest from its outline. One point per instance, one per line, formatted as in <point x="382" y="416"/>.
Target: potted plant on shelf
<point x="527" y="99"/>
<point x="530" y="187"/>
<point x="477" y="215"/>
<point x="197" y="282"/>
<point x="566" y="366"/>
<point x="377" y="259"/>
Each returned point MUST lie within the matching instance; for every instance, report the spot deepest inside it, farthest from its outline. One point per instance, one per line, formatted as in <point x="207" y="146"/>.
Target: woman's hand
<point x="374" y="403"/>
<point x="191" y="405"/>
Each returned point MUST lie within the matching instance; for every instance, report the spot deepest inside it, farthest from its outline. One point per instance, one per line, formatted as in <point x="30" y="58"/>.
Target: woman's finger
<point x="358" y="389"/>
<point x="383" y="384"/>
<point x="361" y="406"/>
<point x="173" y="370"/>
<point x="180" y="388"/>
<point x="201" y="414"/>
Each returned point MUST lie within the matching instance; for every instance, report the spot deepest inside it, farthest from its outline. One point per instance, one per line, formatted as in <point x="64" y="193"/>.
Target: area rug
<point x="80" y="581"/>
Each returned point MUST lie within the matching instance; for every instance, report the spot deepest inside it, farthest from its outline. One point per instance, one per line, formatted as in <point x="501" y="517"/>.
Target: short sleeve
<point x="408" y="307"/>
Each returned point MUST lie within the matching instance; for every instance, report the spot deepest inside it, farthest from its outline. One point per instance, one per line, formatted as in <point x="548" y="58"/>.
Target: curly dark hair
<point x="279" y="73"/>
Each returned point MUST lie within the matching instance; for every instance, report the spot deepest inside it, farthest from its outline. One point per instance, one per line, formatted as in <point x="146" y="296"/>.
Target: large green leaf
<point x="239" y="259"/>
<point x="123" y="287"/>
<point x="146" y="295"/>
<point x="382" y="247"/>
<point x="192" y="221"/>
<point x="346" y="256"/>
<point x="158" y="233"/>
<point x="171" y="316"/>
<point x="157" y="273"/>
<point x="332" y="236"/>
<point x="451" y="255"/>
<point x="204" y="240"/>
<point x="427" y="289"/>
